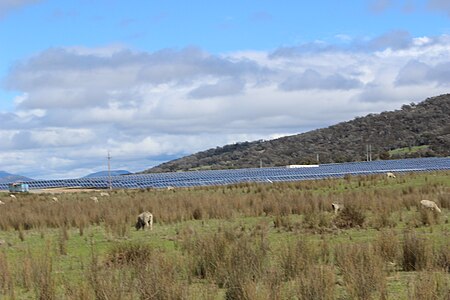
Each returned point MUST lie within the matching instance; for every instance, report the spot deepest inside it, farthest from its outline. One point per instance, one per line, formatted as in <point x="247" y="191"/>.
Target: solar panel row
<point x="224" y="177"/>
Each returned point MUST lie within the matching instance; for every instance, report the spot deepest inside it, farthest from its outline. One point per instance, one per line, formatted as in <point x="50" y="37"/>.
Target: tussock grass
<point x="362" y="270"/>
<point x="245" y="241"/>
<point x="430" y="285"/>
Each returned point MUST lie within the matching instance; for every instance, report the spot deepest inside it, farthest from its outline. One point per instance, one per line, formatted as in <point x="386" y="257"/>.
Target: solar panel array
<point x="224" y="177"/>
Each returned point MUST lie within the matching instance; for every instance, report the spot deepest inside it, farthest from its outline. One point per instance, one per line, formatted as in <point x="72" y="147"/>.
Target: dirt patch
<point x="63" y="190"/>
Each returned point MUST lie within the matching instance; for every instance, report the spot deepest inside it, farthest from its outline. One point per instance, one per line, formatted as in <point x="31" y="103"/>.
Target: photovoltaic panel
<point x="266" y="175"/>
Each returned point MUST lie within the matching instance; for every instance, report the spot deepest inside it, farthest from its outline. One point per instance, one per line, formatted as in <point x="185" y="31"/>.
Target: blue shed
<point x="18" y="187"/>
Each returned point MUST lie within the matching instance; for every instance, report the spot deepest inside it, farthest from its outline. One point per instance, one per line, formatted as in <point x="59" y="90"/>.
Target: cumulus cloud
<point x="224" y="87"/>
<point x="77" y="103"/>
<point x="398" y="39"/>
<point x="69" y="78"/>
<point x="311" y="79"/>
<point x="416" y="72"/>
<point x="7" y="6"/>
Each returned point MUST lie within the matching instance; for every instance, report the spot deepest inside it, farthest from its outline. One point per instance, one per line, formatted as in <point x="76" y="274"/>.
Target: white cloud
<point x="311" y="79"/>
<point x="223" y="87"/>
<point x="146" y="107"/>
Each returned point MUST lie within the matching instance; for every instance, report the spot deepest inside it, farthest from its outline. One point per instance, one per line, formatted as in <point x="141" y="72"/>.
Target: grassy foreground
<point x="247" y="241"/>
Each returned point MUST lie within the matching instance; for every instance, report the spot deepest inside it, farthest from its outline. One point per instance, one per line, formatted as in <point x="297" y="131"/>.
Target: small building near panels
<point x="18" y="187"/>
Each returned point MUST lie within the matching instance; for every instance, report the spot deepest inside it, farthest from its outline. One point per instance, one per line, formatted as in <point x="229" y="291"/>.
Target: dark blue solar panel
<point x="223" y="177"/>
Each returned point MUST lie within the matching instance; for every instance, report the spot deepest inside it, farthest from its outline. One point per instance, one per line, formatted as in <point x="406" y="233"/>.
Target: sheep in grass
<point x="95" y="199"/>
<point x="144" y="221"/>
<point x="13" y="196"/>
<point x="55" y="199"/>
<point x="1" y="202"/>
<point x="428" y="204"/>
<point x="390" y="175"/>
<point x="104" y="194"/>
<point x="337" y="207"/>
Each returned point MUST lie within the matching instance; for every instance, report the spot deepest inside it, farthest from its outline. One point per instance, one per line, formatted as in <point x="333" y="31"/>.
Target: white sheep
<point x="390" y="175"/>
<point x="104" y="194"/>
<point x="144" y="221"/>
<point x="95" y="199"/>
<point x="337" y="207"/>
<point x="13" y="196"/>
<point x="428" y="204"/>
<point x="55" y="199"/>
<point x="1" y="202"/>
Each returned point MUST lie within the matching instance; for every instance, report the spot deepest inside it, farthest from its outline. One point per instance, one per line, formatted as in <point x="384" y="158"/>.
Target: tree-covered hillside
<point x="413" y="131"/>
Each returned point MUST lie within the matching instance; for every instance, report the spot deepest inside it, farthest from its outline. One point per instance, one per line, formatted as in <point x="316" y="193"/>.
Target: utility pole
<point x="109" y="171"/>
<point x="367" y="152"/>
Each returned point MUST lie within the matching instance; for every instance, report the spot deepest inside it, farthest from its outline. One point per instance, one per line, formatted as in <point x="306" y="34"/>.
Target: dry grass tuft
<point x="362" y="270"/>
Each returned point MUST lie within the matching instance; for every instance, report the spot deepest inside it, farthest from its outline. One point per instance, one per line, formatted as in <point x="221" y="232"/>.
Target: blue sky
<point x="153" y="80"/>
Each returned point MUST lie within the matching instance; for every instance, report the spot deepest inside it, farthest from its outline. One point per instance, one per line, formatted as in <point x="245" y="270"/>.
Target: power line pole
<point x="109" y="171"/>
<point x="367" y="152"/>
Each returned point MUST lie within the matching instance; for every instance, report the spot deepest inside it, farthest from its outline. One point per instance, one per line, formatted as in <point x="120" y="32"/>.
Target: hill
<point x="105" y="173"/>
<point x="416" y="130"/>
<point x="6" y="177"/>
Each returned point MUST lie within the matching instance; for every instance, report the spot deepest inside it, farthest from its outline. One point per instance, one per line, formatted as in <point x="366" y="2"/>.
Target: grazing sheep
<point x="144" y="220"/>
<point x="1" y="202"/>
<point x="55" y="199"/>
<point x="170" y="188"/>
<point x="104" y="194"/>
<point x="13" y="196"/>
<point x="390" y="175"/>
<point x="337" y="207"/>
<point x="428" y="204"/>
<point x="95" y="199"/>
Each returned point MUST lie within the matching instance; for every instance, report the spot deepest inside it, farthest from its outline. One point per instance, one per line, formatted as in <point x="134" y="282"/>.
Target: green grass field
<point x="247" y="241"/>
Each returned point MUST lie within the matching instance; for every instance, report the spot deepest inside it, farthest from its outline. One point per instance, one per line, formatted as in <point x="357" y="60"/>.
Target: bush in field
<point x="430" y="285"/>
<point x="383" y="219"/>
<point x="362" y="270"/>
<point x="229" y="256"/>
<point x="161" y="278"/>
<point x="296" y="258"/>
<point x="107" y="283"/>
<point x="417" y="253"/>
<point x="129" y="254"/>
<point x="317" y="220"/>
<point x="6" y="278"/>
<point x="43" y="277"/>
<point x="350" y="217"/>
<point x="428" y="217"/>
<point x="442" y="255"/>
<point x="317" y="283"/>
<point x="135" y="269"/>
<point x="387" y="245"/>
